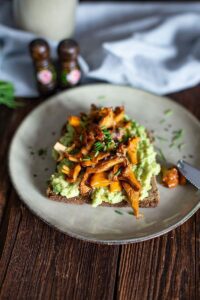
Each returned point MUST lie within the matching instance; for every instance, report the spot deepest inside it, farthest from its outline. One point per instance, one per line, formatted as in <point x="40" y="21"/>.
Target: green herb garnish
<point x="98" y="146"/>
<point x="162" y="121"/>
<point x="130" y="213"/>
<point x="107" y="135"/>
<point x="178" y="134"/>
<point x="118" y="172"/>
<point x="118" y="212"/>
<point x="181" y="146"/>
<point x="86" y="158"/>
<point x="7" y="94"/>
<point x="74" y="151"/>
<point x="161" y="138"/>
<point x="168" y="112"/>
<point x="161" y="154"/>
<point x="42" y="152"/>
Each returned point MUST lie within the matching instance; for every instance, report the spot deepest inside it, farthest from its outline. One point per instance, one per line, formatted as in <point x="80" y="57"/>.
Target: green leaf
<point x="7" y="95"/>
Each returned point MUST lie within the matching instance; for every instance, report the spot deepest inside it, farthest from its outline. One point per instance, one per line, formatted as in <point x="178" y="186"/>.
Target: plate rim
<point x="77" y="236"/>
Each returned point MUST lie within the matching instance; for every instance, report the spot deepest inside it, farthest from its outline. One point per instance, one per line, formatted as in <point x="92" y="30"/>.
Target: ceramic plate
<point x="30" y="164"/>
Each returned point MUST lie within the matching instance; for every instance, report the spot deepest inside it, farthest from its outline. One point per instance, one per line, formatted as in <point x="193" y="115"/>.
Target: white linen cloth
<point x="152" y="46"/>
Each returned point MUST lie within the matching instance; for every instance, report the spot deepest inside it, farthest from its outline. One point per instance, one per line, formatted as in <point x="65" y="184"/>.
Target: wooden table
<point x="38" y="262"/>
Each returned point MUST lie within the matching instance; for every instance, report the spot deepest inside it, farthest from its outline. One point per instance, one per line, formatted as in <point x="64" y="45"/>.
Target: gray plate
<point x="29" y="172"/>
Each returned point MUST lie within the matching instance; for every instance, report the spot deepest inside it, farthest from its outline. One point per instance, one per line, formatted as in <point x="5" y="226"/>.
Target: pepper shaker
<point x="69" y="70"/>
<point x="44" y="69"/>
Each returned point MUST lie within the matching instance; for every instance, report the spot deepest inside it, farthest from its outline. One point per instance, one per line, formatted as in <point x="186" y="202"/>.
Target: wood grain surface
<point x="38" y="262"/>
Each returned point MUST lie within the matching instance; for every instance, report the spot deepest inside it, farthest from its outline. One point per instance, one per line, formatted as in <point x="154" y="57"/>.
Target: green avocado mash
<point x="147" y="166"/>
<point x="67" y="138"/>
<point x="144" y="170"/>
<point x="103" y="195"/>
<point x="62" y="187"/>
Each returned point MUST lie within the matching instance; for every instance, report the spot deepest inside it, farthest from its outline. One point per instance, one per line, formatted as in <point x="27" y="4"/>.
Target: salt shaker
<point x="69" y="70"/>
<point x="44" y="69"/>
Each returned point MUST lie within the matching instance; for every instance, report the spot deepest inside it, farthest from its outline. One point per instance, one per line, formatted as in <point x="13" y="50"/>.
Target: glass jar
<point x="52" y="19"/>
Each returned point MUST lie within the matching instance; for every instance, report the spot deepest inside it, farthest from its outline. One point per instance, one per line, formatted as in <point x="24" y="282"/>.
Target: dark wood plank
<point x="167" y="267"/>
<point x="197" y="254"/>
<point x="163" y="268"/>
<point x="39" y="262"/>
<point x="9" y="121"/>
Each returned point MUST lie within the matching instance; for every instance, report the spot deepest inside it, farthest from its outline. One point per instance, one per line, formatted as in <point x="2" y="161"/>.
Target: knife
<point x="191" y="173"/>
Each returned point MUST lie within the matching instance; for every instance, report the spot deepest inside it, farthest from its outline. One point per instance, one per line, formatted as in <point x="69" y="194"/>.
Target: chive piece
<point x="32" y="153"/>
<point x="178" y="134"/>
<point x="162" y="121"/>
<point x="81" y="138"/>
<point x="101" y="97"/>
<point x="168" y="112"/>
<point x="161" y="138"/>
<point x="96" y="153"/>
<point x="181" y="146"/>
<point x="161" y="154"/>
<point x="118" y="212"/>
<point x="118" y="172"/>
<point x="86" y="158"/>
<point x="42" y="152"/>
<point x="130" y="213"/>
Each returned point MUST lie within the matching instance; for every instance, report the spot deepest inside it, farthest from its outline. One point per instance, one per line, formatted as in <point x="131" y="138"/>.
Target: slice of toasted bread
<point x="151" y="201"/>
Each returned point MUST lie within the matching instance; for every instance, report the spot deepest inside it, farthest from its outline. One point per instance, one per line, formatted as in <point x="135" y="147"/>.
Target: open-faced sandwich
<point x="105" y="158"/>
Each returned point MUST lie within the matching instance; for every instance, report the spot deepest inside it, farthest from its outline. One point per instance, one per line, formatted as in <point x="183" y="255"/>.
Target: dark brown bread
<point x="151" y="201"/>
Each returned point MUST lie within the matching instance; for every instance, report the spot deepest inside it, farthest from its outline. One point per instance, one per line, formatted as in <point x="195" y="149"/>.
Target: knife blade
<point x="190" y="172"/>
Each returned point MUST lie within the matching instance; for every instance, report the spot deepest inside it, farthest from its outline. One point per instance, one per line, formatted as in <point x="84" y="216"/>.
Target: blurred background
<point x="153" y="46"/>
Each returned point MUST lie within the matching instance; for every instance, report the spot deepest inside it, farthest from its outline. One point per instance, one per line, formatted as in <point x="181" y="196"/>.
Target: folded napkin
<point x="155" y="47"/>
